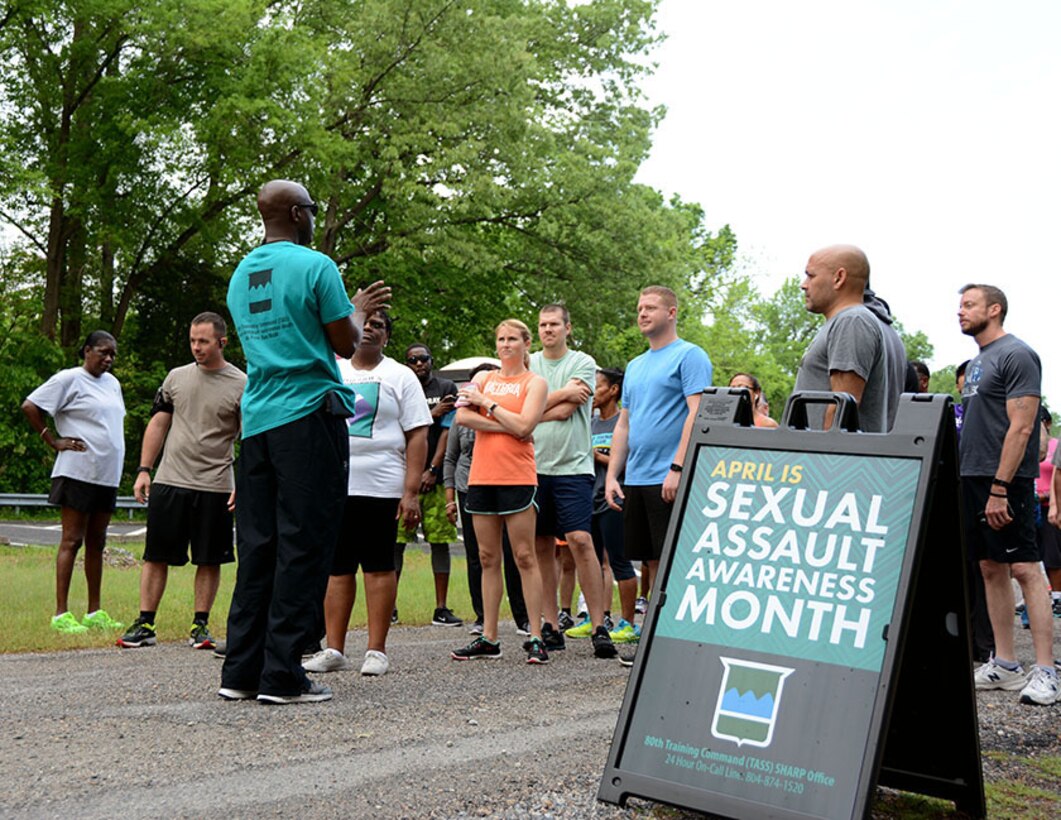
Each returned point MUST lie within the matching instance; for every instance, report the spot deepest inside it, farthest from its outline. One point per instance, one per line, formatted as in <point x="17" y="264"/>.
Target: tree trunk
<point x="71" y="286"/>
<point x="54" y="266"/>
<point x="106" y="286"/>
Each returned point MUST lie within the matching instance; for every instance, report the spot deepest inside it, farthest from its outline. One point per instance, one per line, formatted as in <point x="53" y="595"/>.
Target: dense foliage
<point x="478" y="155"/>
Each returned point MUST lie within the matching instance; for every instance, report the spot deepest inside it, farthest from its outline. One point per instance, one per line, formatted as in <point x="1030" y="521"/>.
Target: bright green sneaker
<point x="67" y="624"/>
<point x="100" y="620"/>
<point x="625" y="632"/>
<point x="581" y="630"/>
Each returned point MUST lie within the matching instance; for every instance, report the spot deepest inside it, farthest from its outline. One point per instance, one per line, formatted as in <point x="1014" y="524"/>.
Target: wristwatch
<point x="676" y="467"/>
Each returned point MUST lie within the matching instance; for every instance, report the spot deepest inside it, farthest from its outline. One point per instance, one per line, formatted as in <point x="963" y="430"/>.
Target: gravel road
<point x="141" y="733"/>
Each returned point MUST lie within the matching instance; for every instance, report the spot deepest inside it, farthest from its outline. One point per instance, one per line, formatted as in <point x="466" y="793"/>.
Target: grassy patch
<point x="906" y="806"/>
<point x="1033" y="791"/>
<point x="27" y="598"/>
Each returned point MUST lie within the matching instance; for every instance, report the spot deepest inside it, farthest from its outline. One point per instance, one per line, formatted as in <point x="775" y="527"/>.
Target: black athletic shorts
<point x="367" y="536"/>
<point x="82" y="496"/>
<point x="1016" y="542"/>
<point x="645" y="519"/>
<point x="1049" y="541"/>
<point x="177" y="517"/>
<point x="498" y="499"/>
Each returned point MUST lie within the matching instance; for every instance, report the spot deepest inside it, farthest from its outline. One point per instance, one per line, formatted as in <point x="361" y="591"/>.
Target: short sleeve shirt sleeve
<point x="414" y="412"/>
<point x="331" y="294"/>
<point x="586" y="371"/>
<point x="51" y="396"/>
<point x="1021" y="372"/>
<point x="696" y="371"/>
<point x="854" y="343"/>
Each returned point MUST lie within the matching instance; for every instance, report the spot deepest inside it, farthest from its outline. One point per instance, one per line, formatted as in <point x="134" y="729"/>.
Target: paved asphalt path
<point x="47" y="533"/>
<point x="141" y="733"/>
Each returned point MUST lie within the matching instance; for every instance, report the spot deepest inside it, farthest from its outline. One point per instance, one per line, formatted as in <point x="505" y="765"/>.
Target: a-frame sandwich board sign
<point x="810" y="583"/>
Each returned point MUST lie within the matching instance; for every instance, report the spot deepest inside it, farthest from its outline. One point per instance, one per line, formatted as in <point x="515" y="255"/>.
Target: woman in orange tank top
<point x="503" y="407"/>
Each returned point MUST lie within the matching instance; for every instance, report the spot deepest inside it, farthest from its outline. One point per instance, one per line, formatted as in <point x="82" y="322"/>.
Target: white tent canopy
<point x="459" y="370"/>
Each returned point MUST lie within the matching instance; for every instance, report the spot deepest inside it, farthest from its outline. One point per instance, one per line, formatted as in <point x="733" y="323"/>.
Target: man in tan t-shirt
<point x="197" y="414"/>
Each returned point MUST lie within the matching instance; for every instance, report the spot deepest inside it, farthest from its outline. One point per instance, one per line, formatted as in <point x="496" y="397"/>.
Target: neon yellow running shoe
<point x="581" y="630"/>
<point x="100" y="620"/>
<point x="625" y="632"/>
<point x="67" y="624"/>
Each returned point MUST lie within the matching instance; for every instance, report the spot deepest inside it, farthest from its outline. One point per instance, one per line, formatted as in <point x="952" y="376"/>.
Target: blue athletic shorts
<point x="565" y="504"/>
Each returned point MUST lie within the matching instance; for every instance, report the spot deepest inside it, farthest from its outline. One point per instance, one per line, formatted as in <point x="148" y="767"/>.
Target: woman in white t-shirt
<point x="388" y="447"/>
<point x="87" y="407"/>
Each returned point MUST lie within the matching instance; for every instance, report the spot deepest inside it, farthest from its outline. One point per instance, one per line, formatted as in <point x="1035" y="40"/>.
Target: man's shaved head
<point x="284" y="208"/>
<point x="836" y="277"/>
<point x="851" y="259"/>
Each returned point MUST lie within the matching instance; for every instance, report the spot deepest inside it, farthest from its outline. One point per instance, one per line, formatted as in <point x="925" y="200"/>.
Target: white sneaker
<point x="376" y="663"/>
<point x="327" y="660"/>
<point x="992" y="676"/>
<point x="1042" y="688"/>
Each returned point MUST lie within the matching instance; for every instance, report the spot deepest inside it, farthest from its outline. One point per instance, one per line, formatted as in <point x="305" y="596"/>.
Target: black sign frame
<point x="915" y="743"/>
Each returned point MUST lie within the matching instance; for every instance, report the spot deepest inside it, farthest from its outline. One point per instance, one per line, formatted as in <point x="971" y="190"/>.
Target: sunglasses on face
<point x="418" y="359"/>
<point x="312" y="207"/>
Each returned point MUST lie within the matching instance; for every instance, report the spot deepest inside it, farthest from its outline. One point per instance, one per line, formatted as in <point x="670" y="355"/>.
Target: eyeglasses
<point x="312" y="207"/>
<point x="417" y="359"/>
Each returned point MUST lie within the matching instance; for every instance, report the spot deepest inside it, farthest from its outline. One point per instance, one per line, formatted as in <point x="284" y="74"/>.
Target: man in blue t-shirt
<point x="661" y="394"/>
<point x="293" y="315"/>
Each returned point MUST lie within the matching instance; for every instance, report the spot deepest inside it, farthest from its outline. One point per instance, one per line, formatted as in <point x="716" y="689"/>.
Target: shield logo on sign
<point x="748" y="701"/>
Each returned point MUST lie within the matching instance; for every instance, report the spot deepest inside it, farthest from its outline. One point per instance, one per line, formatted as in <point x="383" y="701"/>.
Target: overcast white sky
<point x="928" y="133"/>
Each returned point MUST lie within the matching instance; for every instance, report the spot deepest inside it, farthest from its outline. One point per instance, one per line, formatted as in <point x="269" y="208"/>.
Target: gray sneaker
<point x="327" y="660"/>
<point x="992" y="676"/>
<point x="1041" y="689"/>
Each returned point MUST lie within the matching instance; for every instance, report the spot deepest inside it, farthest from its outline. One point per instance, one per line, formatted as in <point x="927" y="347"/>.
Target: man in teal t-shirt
<point x="564" y="458"/>
<point x="292" y="315"/>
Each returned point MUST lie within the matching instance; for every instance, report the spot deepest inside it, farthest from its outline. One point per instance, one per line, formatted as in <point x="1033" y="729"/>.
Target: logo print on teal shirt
<point x="260" y="284"/>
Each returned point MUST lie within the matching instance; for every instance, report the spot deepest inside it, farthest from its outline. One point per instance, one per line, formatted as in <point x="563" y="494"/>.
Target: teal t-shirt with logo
<point x="281" y="297"/>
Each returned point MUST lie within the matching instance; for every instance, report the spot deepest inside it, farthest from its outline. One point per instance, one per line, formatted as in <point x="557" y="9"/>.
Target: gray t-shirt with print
<point x="1003" y="370"/>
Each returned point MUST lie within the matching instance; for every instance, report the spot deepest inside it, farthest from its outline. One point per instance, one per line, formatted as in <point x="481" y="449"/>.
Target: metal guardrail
<point x="19" y="500"/>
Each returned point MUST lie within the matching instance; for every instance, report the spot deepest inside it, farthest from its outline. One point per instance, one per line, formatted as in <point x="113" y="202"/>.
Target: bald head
<point x="849" y="258"/>
<point x="286" y="212"/>
<point x="836" y="278"/>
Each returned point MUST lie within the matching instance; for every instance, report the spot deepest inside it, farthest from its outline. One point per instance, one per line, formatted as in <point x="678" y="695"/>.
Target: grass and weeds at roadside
<point x="27" y="598"/>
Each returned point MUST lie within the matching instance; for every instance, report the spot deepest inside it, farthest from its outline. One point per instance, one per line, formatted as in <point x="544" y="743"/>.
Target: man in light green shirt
<point x="564" y="458"/>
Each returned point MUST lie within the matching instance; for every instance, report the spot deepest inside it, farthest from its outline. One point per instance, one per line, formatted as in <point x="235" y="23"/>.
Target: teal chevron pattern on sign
<point x="795" y="554"/>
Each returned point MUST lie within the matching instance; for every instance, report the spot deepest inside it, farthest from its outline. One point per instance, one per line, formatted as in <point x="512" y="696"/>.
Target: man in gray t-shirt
<point x="999" y="460"/>
<point x="853" y="352"/>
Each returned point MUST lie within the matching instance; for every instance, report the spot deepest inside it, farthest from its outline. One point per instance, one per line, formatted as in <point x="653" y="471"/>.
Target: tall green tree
<point x="473" y="153"/>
